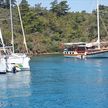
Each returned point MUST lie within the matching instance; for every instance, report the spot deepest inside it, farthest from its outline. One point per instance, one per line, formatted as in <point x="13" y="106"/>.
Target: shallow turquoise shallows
<point x="57" y="82"/>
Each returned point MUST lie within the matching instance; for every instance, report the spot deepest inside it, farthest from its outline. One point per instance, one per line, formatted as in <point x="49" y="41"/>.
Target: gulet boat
<point x="86" y="50"/>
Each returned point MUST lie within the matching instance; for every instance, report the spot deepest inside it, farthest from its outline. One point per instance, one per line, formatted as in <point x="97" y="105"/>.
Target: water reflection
<point x="89" y="81"/>
<point x="57" y="82"/>
<point x="14" y="86"/>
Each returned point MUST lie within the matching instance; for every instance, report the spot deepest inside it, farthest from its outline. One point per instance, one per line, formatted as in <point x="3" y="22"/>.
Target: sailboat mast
<point x="1" y="38"/>
<point x="12" y="41"/>
<point x="22" y="26"/>
<point x="98" y="25"/>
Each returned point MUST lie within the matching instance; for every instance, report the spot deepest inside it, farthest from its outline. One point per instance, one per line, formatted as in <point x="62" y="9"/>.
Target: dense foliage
<point x="47" y="29"/>
<point x="6" y="3"/>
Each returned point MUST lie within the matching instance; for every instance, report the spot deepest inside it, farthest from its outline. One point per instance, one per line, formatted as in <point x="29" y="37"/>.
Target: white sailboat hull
<point x="2" y="65"/>
<point x="20" y="61"/>
<point x="8" y="62"/>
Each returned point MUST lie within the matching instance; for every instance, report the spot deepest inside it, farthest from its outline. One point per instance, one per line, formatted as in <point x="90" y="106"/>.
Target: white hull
<point x="2" y="65"/>
<point x="20" y="61"/>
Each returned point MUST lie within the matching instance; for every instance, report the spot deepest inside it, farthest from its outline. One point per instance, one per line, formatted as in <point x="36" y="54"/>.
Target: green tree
<point x="6" y="3"/>
<point x="54" y="6"/>
<point x="60" y="8"/>
<point x="46" y="29"/>
<point x="24" y="6"/>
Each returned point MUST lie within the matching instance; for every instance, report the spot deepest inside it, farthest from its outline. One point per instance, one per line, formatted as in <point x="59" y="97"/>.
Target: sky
<point x="74" y="5"/>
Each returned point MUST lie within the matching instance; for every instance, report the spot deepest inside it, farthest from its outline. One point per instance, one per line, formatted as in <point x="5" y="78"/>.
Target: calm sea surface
<point x="57" y="82"/>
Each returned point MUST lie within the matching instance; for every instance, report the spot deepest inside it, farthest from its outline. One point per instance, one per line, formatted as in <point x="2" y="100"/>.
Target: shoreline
<point x="51" y="53"/>
<point x="39" y="54"/>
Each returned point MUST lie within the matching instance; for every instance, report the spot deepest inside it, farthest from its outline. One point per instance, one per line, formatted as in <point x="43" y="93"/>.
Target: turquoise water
<point x="57" y="82"/>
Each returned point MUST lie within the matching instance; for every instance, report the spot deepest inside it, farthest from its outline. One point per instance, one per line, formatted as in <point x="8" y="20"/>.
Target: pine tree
<point x="59" y="8"/>
<point x="24" y="6"/>
<point x="54" y="6"/>
<point x="6" y="3"/>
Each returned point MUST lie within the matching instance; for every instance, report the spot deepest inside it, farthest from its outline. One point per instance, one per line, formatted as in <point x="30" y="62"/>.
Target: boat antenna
<point x="12" y="41"/>
<point x="98" y="25"/>
<point x="22" y="26"/>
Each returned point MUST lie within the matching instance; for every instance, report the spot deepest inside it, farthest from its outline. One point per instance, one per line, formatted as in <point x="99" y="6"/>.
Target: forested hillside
<point x="47" y="29"/>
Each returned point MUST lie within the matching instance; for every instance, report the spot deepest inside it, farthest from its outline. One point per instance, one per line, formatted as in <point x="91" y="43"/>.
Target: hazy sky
<point x="75" y="5"/>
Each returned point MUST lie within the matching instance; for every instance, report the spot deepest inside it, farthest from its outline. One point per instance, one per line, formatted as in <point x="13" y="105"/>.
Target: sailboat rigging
<point x="98" y="24"/>
<point x="12" y="41"/>
<point x="22" y="27"/>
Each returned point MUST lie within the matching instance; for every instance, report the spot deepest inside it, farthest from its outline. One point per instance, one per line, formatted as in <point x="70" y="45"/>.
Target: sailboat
<point x="9" y="59"/>
<point x="86" y="50"/>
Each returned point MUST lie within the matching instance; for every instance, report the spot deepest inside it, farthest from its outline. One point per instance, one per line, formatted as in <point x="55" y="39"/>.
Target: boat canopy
<point x="84" y="44"/>
<point x="77" y="43"/>
<point x="91" y="44"/>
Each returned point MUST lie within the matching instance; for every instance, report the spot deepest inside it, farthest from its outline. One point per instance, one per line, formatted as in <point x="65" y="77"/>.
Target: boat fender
<point x="14" y="69"/>
<point x="82" y="57"/>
